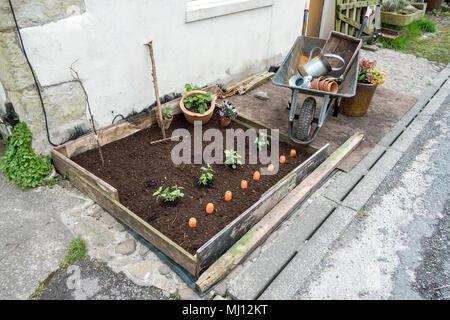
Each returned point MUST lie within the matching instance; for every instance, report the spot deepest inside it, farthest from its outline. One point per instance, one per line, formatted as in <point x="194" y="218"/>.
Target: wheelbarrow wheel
<point x="305" y="119"/>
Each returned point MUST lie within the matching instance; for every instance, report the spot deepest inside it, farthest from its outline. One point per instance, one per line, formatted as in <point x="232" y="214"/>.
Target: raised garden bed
<point x="134" y="169"/>
<point x="403" y="19"/>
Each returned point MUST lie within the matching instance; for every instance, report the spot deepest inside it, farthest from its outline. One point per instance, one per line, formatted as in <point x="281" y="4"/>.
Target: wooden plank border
<point x="222" y="266"/>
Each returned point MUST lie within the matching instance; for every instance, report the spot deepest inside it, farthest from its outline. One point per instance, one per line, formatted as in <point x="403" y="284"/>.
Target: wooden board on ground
<point x="270" y="221"/>
<point x="248" y="84"/>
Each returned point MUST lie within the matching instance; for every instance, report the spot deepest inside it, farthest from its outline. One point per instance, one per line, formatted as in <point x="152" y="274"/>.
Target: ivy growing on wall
<point x="20" y="164"/>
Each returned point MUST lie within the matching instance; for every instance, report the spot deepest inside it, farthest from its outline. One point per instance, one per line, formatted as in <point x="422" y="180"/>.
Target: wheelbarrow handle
<point x="364" y="22"/>
<point x="305" y="19"/>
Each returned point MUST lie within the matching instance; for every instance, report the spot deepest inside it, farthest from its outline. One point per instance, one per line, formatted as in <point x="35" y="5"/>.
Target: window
<point x="205" y="9"/>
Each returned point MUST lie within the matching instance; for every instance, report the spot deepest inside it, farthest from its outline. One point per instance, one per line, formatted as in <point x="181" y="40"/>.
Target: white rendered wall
<point x="108" y="42"/>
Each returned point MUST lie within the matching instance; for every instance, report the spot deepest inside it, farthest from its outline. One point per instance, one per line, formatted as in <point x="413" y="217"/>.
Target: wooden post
<point x="155" y="84"/>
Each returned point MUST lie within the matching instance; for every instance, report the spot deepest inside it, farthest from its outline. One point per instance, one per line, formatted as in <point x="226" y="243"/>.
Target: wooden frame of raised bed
<point x="108" y="197"/>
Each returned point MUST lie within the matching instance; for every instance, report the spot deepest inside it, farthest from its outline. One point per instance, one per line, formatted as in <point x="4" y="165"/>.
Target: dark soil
<point x="137" y="169"/>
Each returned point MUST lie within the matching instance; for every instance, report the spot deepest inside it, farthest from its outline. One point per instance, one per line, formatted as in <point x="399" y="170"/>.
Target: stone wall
<point x="64" y="102"/>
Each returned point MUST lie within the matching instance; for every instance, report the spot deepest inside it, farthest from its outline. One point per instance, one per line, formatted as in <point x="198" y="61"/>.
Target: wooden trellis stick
<point x="76" y="78"/>
<point x="155" y="84"/>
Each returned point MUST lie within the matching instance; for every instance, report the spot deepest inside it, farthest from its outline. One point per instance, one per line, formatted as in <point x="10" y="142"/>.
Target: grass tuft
<point x="76" y="250"/>
<point x="435" y="47"/>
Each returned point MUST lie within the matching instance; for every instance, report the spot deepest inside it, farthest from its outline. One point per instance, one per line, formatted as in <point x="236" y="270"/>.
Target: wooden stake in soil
<point x="76" y="78"/>
<point x="155" y="84"/>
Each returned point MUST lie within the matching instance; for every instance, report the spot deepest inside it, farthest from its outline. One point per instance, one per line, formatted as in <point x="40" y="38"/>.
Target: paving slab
<point x="257" y="275"/>
<point x="33" y="239"/>
<point x="292" y="277"/>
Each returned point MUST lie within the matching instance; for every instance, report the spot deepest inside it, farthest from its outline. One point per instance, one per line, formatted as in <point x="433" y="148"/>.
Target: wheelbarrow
<point x="306" y="116"/>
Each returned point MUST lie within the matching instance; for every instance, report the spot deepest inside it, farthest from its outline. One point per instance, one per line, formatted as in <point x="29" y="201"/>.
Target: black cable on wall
<point x="32" y="72"/>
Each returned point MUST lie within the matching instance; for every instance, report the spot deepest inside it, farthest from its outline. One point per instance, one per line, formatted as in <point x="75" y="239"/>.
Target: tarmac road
<point x="399" y="248"/>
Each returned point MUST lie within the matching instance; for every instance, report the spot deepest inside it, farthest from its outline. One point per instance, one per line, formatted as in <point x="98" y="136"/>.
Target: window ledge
<point x="204" y="9"/>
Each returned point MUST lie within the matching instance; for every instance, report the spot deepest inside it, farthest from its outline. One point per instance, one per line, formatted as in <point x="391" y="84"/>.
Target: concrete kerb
<point x="350" y="192"/>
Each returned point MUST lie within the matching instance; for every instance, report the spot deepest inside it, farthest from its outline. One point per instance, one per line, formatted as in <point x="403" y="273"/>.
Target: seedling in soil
<point x="261" y="141"/>
<point x="169" y="196"/>
<point x="207" y="175"/>
<point x="197" y="101"/>
<point x="166" y="112"/>
<point x="232" y="158"/>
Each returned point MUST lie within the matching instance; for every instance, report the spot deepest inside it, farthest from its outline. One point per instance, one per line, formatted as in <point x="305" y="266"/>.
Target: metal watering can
<point x="319" y="66"/>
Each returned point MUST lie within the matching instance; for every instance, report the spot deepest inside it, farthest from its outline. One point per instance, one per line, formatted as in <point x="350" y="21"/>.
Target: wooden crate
<point x="345" y="46"/>
<point x="349" y="14"/>
<point x="107" y="196"/>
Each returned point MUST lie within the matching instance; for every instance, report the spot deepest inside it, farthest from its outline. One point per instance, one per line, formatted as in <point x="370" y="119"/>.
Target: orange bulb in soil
<point x="210" y="208"/>
<point x="256" y="175"/>
<point x="244" y="184"/>
<point x="228" y="196"/>
<point x="282" y="159"/>
<point x="192" y="222"/>
<point x="270" y="167"/>
<point x="293" y="153"/>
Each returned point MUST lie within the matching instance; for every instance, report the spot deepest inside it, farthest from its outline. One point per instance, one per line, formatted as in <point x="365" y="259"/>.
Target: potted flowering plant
<point x="369" y="77"/>
<point x="227" y="113"/>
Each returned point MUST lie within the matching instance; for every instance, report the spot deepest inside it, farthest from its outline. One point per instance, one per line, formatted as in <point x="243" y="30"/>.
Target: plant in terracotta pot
<point x="167" y="116"/>
<point x="369" y="77"/>
<point x="197" y="105"/>
<point x="227" y="114"/>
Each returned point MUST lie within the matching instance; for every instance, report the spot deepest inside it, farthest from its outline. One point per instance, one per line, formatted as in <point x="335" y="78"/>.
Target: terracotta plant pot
<point x="191" y="117"/>
<point x="357" y="106"/>
<point x="224" y="121"/>
<point x="166" y="123"/>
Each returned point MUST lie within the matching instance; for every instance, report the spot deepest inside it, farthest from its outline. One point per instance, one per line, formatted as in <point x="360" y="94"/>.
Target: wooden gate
<point x="349" y="14"/>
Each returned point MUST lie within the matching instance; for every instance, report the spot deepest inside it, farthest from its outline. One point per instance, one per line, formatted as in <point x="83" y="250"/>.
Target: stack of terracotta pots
<point x="324" y="84"/>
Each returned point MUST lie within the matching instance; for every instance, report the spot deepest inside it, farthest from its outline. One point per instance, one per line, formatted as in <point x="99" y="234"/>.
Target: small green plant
<point x="426" y="25"/>
<point x="167" y="195"/>
<point x="166" y="112"/>
<point x="394" y="5"/>
<point x="39" y="291"/>
<point x="361" y="213"/>
<point x="232" y="158"/>
<point x="197" y="101"/>
<point x="20" y="164"/>
<point x="206" y="176"/>
<point x="76" y="250"/>
<point x="261" y="141"/>
<point x="174" y="296"/>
